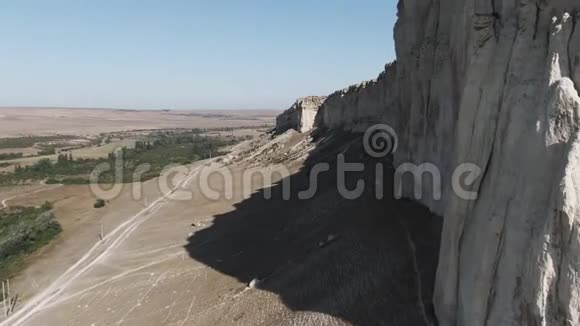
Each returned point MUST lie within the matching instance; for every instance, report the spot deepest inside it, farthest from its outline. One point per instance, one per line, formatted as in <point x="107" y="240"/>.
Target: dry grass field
<point x="86" y="122"/>
<point x="125" y="126"/>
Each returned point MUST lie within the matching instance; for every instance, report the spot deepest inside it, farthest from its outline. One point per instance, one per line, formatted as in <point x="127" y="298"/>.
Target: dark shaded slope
<point x="367" y="276"/>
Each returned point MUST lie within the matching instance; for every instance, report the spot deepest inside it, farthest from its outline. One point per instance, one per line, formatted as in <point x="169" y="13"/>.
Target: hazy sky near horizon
<point x="180" y="54"/>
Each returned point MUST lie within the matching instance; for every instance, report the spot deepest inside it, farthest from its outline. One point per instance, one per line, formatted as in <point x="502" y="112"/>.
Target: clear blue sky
<point x="180" y="54"/>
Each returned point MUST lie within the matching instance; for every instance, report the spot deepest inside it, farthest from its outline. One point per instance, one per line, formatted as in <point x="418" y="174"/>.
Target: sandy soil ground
<point x="163" y="261"/>
<point x="84" y="122"/>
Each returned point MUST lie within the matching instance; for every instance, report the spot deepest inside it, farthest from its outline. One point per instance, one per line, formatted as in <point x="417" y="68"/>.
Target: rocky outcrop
<point x="493" y="83"/>
<point x="301" y="115"/>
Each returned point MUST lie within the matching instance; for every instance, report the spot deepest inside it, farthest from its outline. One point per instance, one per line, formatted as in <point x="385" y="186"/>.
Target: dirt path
<point x="4" y="201"/>
<point x="96" y="254"/>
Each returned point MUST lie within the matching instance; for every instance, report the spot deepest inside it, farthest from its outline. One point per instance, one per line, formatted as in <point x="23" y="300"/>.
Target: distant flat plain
<point x="20" y="121"/>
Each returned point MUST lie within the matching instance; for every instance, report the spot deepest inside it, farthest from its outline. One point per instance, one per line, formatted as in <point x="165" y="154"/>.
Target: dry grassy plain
<point x="85" y="122"/>
<point x="20" y="122"/>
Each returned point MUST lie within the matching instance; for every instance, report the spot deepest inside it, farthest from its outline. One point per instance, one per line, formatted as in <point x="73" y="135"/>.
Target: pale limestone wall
<point x="489" y="82"/>
<point x="362" y="104"/>
<point x="301" y="115"/>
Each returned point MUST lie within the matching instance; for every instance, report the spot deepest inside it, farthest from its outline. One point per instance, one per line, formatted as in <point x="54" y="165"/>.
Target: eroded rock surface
<point x="493" y="83"/>
<point x="301" y="115"/>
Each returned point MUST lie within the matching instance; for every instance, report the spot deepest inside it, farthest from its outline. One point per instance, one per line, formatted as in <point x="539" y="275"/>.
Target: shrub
<point x="10" y="156"/>
<point x="22" y="231"/>
<point x="75" y="181"/>
<point x="42" y="166"/>
<point x="44" y="152"/>
<point x="52" y="181"/>
<point x="99" y="203"/>
<point x="47" y="206"/>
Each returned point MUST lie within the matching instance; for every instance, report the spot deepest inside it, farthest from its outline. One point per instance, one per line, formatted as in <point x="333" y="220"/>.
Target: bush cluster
<point x="22" y="231"/>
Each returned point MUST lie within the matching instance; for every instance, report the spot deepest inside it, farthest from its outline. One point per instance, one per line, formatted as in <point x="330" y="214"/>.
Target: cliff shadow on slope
<point x="363" y="261"/>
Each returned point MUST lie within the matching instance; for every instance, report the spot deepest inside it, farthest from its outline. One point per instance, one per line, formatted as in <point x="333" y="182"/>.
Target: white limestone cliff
<point x="301" y="115"/>
<point x="493" y="83"/>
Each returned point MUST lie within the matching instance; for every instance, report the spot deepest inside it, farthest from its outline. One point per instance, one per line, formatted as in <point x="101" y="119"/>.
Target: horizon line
<point x="126" y="109"/>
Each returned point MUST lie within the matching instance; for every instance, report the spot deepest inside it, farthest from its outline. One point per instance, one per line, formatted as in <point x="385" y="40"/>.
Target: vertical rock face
<point x="490" y="83"/>
<point x="301" y="115"/>
<point x="493" y="83"/>
<point x="360" y="105"/>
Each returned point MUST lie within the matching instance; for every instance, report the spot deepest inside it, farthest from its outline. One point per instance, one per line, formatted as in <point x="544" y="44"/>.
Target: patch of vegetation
<point x="65" y="145"/>
<point x="22" y="231"/>
<point x="159" y="151"/>
<point x="10" y="156"/>
<point x="47" y="169"/>
<point x="126" y="165"/>
<point x="50" y="151"/>
<point x="47" y="145"/>
<point x="29" y="141"/>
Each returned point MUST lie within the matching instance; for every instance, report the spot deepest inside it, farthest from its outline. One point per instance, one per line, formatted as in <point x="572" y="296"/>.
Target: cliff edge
<point x="301" y="115"/>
